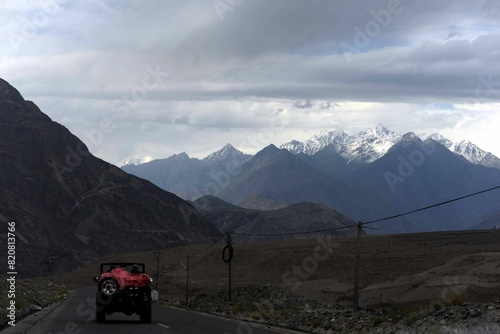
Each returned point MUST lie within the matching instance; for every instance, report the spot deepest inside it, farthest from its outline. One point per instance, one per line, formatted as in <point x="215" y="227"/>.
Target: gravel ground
<point x="31" y="295"/>
<point x="276" y="306"/>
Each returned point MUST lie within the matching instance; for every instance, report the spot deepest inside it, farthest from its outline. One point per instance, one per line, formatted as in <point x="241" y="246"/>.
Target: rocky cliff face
<point x="69" y="206"/>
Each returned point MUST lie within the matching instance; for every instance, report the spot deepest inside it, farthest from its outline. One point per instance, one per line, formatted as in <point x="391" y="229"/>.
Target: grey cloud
<point x="287" y="49"/>
<point x="453" y="35"/>
<point x="328" y="105"/>
<point x="280" y="50"/>
<point x="260" y="27"/>
<point x="307" y="104"/>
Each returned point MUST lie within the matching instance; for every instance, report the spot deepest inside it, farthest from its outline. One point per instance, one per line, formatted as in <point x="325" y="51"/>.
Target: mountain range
<point x="191" y="178"/>
<point x="70" y="207"/>
<point x="357" y="149"/>
<point x="371" y="144"/>
<point x="368" y="176"/>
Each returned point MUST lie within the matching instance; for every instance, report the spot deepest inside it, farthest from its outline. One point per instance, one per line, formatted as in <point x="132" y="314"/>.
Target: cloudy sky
<point x="159" y="77"/>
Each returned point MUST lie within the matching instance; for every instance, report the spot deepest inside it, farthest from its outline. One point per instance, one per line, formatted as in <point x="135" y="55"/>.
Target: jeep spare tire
<point x="108" y="286"/>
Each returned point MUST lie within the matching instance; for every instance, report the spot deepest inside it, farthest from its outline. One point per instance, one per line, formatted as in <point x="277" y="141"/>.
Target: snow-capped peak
<point x="317" y="142"/>
<point x="365" y="146"/>
<point x="476" y="155"/>
<point x="438" y="138"/>
<point x="468" y="150"/>
<point x="294" y="146"/>
<point x="371" y="144"/>
<point x="135" y="160"/>
<point x="409" y="138"/>
<point x="228" y="152"/>
<point x="381" y="131"/>
<point x="228" y="149"/>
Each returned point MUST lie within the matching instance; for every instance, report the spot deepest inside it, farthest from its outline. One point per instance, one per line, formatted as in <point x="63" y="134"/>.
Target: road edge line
<point x="256" y="324"/>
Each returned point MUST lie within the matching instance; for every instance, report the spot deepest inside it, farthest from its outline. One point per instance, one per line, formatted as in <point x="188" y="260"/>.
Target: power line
<point x="360" y="226"/>
<point x="431" y="206"/>
<point x="216" y="242"/>
<point x="369" y="222"/>
<point x="294" y="233"/>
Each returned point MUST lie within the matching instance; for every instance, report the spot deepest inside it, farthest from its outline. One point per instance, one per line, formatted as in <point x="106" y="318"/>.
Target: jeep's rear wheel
<point x="100" y="316"/>
<point x="146" y="314"/>
<point x="108" y="286"/>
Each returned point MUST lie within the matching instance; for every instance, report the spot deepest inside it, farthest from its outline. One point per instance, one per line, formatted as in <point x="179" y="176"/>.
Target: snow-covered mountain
<point x="227" y="154"/>
<point x="438" y="138"/>
<point x="371" y="144"/>
<point x="468" y="150"/>
<point x="365" y="146"/>
<point x="476" y="155"/>
<point x="318" y="142"/>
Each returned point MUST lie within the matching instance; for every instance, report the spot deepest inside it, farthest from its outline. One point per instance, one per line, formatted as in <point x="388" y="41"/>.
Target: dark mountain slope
<point x="70" y="207"/>
<point x="277" y="175"/>
<point x="491" y="221"/>
<point x="175" y="174"/>
<point x="330" y="162"/>
<point x="414" y="174"/>
<point x="286" y="223"/>
<point x="210" y="203"/>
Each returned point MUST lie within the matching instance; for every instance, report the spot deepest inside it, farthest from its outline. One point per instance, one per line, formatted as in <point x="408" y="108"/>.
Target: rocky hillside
<point x="69" y="206"/>
<point x="297" y="221"/>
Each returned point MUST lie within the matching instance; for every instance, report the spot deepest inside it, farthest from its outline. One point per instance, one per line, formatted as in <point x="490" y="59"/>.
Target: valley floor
<point x="425" y="272"/>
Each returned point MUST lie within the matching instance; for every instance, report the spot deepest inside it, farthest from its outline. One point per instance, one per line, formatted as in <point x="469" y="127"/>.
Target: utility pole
<point x="157" y="256"/>
<point x="230" y="298"/>
<point x="227" y="257"/>
<point x="187" y="282"/>
<point x="356" y="267"/>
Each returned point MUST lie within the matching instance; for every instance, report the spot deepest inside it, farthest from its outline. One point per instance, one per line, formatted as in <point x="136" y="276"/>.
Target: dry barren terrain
<point x="405" y="271"/>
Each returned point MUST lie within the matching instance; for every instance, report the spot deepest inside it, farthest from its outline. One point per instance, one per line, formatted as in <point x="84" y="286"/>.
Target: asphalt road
<point x="77" y="316"/>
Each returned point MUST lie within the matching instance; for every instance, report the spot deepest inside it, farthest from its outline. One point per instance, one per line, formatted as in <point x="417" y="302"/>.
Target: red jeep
<point x="123" y="287"/>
